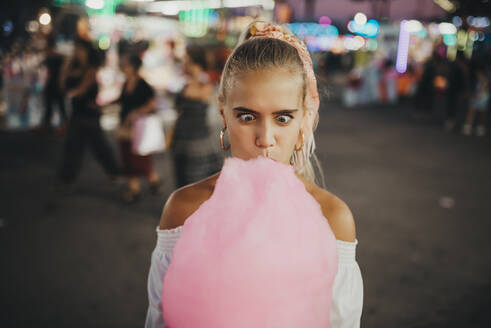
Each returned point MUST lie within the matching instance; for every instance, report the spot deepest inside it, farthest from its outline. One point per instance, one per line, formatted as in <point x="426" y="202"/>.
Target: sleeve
<point x="347" y="300"/>
<point x="147" y="91"/>
<point x="161" y="257"/>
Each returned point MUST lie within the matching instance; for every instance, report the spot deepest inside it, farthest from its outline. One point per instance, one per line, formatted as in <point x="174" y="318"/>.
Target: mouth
<point x="268" y="154"/>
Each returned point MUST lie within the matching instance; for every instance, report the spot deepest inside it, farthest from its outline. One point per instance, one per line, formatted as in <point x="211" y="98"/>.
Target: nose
<point x="265" y="136"/>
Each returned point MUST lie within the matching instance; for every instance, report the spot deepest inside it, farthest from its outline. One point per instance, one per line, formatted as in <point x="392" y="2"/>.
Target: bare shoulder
<point x="185" y="201"/>
<point x="336" y="212"/>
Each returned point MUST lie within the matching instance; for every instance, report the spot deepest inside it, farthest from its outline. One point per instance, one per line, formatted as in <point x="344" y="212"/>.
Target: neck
<point x="195" y="75"/>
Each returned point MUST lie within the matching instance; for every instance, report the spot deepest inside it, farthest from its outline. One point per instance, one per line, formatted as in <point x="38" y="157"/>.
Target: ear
<point x="222" y="115"/>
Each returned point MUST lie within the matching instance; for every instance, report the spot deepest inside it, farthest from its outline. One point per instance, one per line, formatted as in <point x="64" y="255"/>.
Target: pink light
<point x="324" y="20"/>
<point x="402" y="48"/>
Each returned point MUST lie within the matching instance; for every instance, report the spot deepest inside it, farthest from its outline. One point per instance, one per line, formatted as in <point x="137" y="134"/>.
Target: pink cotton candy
<point x="259" y="253"/>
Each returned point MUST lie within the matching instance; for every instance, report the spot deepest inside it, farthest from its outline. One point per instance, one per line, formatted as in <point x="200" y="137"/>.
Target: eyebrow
<point x="247" y="110"/>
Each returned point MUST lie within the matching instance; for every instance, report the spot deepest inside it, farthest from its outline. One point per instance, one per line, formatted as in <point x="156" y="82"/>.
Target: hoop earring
<point x="222" y="137"/>
<point x="301" y="144"/>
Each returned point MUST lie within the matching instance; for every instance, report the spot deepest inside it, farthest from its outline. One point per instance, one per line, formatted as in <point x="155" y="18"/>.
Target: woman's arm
<point x="347" y="291"/>
<point x="88" y="80"/>
<point x="146" y="108"/>
<point x="161" y="258"/>
<point x="114" y="102"/>
<point x="177" y="208"/>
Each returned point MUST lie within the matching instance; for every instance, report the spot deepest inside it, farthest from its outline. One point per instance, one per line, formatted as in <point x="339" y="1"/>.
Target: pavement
<point x="420" y="197"/>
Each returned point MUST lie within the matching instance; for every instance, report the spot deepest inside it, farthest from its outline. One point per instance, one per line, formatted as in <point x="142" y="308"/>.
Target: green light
<point x="60" y="3"/>
<point x="195" y="21"/>
<point x="104" y="42"/>
<point x="108" y="9"/>
<point x="450" y="39"/>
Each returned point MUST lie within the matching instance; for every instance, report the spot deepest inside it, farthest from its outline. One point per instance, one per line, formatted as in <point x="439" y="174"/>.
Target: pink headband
<point x="268" y="30"/>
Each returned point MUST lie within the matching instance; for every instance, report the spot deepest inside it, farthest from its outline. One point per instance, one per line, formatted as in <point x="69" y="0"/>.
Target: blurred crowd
<point x="79" y="92"/>
<point x="56" y="93"/>
<point x="21" y="84"/>
<point x="454" y="91"/>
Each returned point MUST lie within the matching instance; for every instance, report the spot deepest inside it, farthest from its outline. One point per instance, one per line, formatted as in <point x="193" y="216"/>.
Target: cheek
<point x="241" y="136"/>
<point x="291" y="139"/>
<point x="288" y="138"/>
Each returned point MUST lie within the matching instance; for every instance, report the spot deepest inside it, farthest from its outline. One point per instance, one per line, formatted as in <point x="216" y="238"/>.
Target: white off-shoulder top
<point x="347" y="300"/>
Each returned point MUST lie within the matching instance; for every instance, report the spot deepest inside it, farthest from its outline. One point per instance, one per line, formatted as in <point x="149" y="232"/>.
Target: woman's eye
<point x="283" y="119"/>
<point x="245" y="117"/>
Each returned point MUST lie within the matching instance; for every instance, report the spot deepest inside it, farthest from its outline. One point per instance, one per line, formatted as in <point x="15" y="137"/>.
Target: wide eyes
<point x="282" y="118"/>
<point x="245" y="117"/>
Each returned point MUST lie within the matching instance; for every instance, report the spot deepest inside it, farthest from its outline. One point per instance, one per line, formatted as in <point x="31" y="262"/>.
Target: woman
<point x="195" y="157"/>
<point x="479" y="104"/>
<point x="268" y="101"/>
<point x="52" y="94"/>
<point x="79" y="81"/>
<point x="137" y="99"/>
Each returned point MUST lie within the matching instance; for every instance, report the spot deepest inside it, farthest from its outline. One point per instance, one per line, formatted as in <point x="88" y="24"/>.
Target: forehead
<point x="266" y="90"/>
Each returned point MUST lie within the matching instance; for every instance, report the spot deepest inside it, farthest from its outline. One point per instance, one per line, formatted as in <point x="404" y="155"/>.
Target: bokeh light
<point x="45" y="19"/>
<point x="360" y="18"/>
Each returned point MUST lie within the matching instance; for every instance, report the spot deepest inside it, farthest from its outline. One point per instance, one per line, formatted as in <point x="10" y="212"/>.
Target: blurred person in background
<point x="78" y="78"/>
<point x="426" y="90"/>
<point x="406" y="83"/>
<point x="479" y="103"/>
<point x="137" y="99"/>
<point x="353" y="91"/>
<point x="458" y="88"/>
<point x="28" y="79"/>
<point x="21" y="84"/>
<point x="388" y="82"/>
<point x="194" y="155"/>
<point x="52" y="91"/>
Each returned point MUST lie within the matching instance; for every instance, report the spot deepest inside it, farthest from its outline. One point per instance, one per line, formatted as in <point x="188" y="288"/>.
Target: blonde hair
<point x="264" y="53"/>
